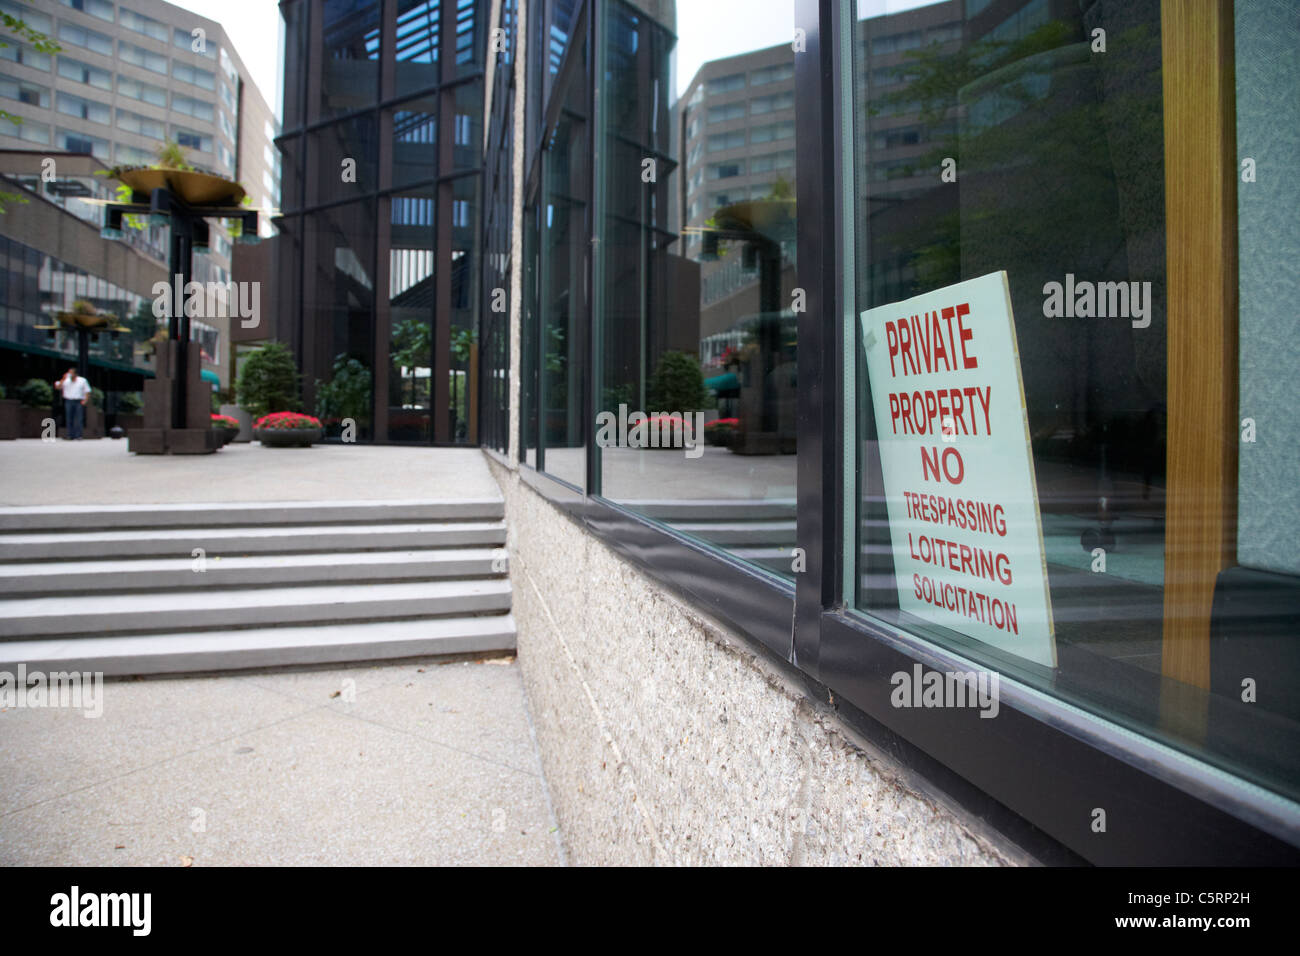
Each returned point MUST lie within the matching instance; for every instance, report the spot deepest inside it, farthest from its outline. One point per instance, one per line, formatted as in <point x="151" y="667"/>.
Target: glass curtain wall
<point x="696" y="281"/>
<point x="382" y="164"/>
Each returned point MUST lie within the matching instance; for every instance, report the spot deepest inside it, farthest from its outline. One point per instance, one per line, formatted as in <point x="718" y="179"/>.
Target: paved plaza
<point x="418" y="761"/>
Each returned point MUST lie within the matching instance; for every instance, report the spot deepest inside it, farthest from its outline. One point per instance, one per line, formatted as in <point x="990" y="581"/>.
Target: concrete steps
<point x="165" y="542"/>
<point x="173" y="588"/>
<point x="260" y="570"/>
<point x="270" y="647"/>
<point x="253" y="513"/>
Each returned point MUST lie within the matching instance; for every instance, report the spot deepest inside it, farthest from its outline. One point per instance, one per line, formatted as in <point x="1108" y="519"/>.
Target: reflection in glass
<point x="411" y="297"/>
<point x="417" y="44"/>
<point x="529" y="377"/>
<point x="345" y="154"/>
<point x="566" y="183"/>
<point x="415" y="141"/>
<point x="696" y="275"/>
<point x="340" y="280"/>
<point x="350" y="59"/>
<point x="1055" y="155"/>
<point x="462" y="349"/>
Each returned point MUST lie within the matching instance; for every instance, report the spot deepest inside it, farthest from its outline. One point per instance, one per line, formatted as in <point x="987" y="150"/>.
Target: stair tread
<point x="239" y="597"/>
<point x="187" y="506"/>
<point x="272" y="531"/>
<point x="259" y="647"/>
<point x="248" y="562"/>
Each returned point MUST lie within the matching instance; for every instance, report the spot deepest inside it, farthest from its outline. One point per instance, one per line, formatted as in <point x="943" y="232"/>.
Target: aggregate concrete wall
<point x="667" y="740"/>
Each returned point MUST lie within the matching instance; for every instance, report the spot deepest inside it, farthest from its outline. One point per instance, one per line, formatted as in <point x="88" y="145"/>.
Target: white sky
<point x="714" y="29"/>
<point x="706" y="30"/>
<point x="254" y="27"/>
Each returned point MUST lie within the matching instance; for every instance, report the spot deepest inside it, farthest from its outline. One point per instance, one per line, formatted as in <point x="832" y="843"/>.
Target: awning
<point x="210" y="376"/>
<point x="724" y="385"/>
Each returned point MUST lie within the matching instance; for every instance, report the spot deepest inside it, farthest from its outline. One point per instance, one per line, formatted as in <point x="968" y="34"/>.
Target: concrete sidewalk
<point x="418" y="763"/>
<point x="33" y="472"/>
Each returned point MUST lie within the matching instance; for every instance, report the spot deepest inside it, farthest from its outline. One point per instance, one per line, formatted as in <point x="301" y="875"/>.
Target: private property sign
<point x="959" y="475"/>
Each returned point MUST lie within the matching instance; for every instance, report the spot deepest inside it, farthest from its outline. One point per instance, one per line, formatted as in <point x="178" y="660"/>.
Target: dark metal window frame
<point x="1037" y="771"/>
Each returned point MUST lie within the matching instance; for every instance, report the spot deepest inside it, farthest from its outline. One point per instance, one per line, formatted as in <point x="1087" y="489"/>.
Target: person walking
<point x="76" y="392"/>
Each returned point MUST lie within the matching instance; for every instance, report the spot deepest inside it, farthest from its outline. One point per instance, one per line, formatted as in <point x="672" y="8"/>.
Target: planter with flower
<point x="288" y="429"/>
<point x="721" y="431"/>
<point x="228" y="427"/>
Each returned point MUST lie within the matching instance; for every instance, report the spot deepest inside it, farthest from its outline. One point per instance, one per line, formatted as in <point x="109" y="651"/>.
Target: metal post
<point x="83" y="352"/>
<point x="178" y="325"/>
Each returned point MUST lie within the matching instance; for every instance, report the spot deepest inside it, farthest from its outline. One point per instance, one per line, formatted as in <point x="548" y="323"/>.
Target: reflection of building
<point x="377" y="253"/>
<point x="736" y="127"/>
<point x="53" y="257"/>
<point x="123" y="83"/>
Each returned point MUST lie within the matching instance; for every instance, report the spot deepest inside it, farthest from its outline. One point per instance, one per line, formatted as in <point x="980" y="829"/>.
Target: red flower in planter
<point x="723" y="423"/>
<point x="224" y="421"/>
<point x="287" y="420"/>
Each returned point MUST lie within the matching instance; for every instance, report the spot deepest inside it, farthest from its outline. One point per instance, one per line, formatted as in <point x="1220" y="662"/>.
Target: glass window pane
<point x="418" y="31"/>
<point x="40" y="22"/>
<point x="415" y="141"/>
<point x="350" y="58"/>
<point x="463" y="295"/>
<point x="145" y="92"/>
<point x="84" y="73"/>
<point x="346" y="155"/>
<point x="1025" y="523"/>
<point x="294" y="16"/>
<point x="694" y="284"/>
<point x="141" y="24"/>
<point x="411" y="298"/>
<point x="90" y="39"/>
<point x="139" y="56"/>
<point x="340" y="303"/>
<point x="562" y="289"/>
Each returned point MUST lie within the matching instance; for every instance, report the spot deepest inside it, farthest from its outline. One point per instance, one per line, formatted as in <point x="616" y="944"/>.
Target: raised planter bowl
<point x="195" y="188"/>
<point x="288" y="437"/>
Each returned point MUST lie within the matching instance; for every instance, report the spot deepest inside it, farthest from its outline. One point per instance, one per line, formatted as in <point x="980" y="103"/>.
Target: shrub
<point x="269" y="381"/>
<point x="130" y="403"/>
<point x="677" y="384"/>
<point x="36" y="393"/>
<point x="97" y="398"/>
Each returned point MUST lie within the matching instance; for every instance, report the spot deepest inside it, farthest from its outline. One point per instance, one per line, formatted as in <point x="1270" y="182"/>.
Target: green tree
<point x="269" y="381"/>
